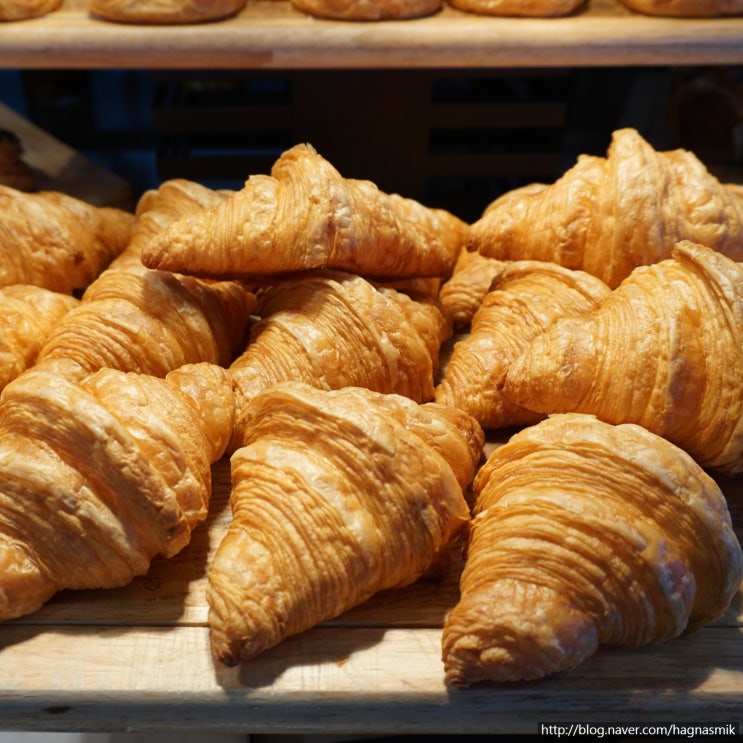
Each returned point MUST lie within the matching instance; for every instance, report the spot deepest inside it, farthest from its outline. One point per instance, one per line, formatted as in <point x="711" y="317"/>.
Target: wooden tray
<point x="270" y="34"/>
<point x="138" y="658"/>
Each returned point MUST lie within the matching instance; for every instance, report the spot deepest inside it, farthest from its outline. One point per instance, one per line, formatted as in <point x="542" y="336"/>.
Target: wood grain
<point x="270" y="34"/>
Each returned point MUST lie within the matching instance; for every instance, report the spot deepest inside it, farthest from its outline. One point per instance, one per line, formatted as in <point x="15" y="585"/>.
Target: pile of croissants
<point x="199" y="11"/>
<point x="351" y="351"/>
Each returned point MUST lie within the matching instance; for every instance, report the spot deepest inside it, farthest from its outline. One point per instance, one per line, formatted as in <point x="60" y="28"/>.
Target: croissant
<point x="306" y="215"/>
<point x="136" y="319"/>
<point x="28" y="315"/>
<point x="686" y="8"/>
<point x="586" y="534"/>
<point x="682" y="319"/>
<point x="524" y="299"/>
<point x="331" y="329"/>
<point x="368" y="10"/>
<point x="606" y="216"/>
<point x="336" y="495"/>
<point x="21" y="10"/>
<point x="463" y="292"/>
<point x="525" y="8"/>
<point x="14" y="170"/>
<point x="56" y="241"/>
<point x="99" y="475"/>
<point x="155" y="12"/>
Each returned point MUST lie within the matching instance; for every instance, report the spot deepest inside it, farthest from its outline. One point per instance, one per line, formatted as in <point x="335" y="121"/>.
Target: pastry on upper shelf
<point x="14" y="170"/>
<point x="664" y="350"/>
<point x="686" y="8"/>
<point x="56" y="241"/>
<point x="336" y="495"/>
<point x="586" y="534"/>
<point x="524" y="299"/>
<point x="99" y="475"/>
<point x="137" y="319"/>
<point x="305" y="215"/>
<point x="368" y="10"/>
<point x="525" y="8"/>
<point x="332" y="329"/>
<point x="28" y="315"/>
<point x="607" y="215"/>
<point x="155" y="12"/>
<point x="20" y="10"/>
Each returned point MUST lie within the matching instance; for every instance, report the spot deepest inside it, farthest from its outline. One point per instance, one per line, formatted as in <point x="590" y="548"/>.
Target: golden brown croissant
<point x="306" y="215"/>
<point x="586" y="534"/>
<point x="14" y="170"/>
<point x="28" y="315"/>
<point x="336" y="495"/>
<point x="100" y="475"/>
<point x="56" y="241"/>
<point x="525" y="8"/>
<point x="135" y="319"/>
<point x="164" y="11"/>
<point x="462" y="293"/>
<point x="524" y="300"/>
<point x="686" y="8"/>
<point x="609" y="215"/>
<point x="332" y="329"/>
<point x="368" y="10"/>
<point x="663" y="351"/>
<point x="21" y="10"/>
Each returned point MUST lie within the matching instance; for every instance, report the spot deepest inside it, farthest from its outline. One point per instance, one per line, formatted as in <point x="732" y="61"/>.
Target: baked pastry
<point x="332" y="329"/>
<point x="524" y="299"/>
<point x="586" y="534"/>
<point x="56" y="241"/>
<point x="100" y="475"/>
<point x="154" y="12"/>
<point x="305" y="215"/>
<point x="463" y="292"/>
<point x="336" y="495"/>
<point x="664" y="350"/>
<point x="21" y="10"/>
<point x="686" y="8"/>
<point x="521" y="8"/>
<point x="608" y="215"/>
<point x="368" y="10"/>
<point x="14" y="170"/>
<point x="28" y="315"/>
<point x="133" y="318"/>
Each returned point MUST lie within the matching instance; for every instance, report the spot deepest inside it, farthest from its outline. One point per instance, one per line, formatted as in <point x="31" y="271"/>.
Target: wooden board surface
<point x="138" y="658"/>
<point x="270" y="34"/>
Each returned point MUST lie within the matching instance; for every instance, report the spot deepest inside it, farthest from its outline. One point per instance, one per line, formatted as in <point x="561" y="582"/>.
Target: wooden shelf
<point x="138" y="658"/>
<point x="269" y="34"/>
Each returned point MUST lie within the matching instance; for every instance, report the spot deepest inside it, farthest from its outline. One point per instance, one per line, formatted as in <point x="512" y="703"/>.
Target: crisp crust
<point x="368" y="10"/>
<point x="164" y="11"/>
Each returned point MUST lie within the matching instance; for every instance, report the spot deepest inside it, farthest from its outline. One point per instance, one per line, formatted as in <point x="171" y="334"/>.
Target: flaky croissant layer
<point x="585" y="534"/>
<point x="336" y="495"/>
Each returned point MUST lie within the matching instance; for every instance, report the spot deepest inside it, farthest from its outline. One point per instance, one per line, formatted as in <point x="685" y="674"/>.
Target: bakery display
<point x="519" y="8"/>
<point x="368" y="10"/>
<point x="160" y="12"/>
<point x="664" y="351"/>
<point x="100" y="475"/>
<point x="304" y="215"/>
<point x="586" y="534"/>
<point x="524" y="299"/>
<point x="343" y="350"/>
<point x="607" y="215"/>
<point x="336" y="495"/>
